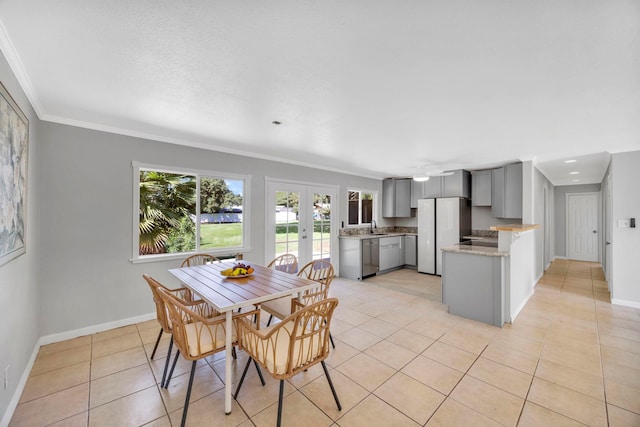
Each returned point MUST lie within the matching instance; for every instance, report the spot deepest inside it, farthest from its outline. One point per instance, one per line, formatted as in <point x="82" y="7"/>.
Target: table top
<point x="227" y="294"/>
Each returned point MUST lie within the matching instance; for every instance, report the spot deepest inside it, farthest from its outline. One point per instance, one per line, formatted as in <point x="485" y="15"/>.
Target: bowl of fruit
<point x="238" y="271"/>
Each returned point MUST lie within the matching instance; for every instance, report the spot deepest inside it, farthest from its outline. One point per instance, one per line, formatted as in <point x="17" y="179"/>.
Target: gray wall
<point x="19" y="285"/>
<point x="543" y="215"/>
<point x="625" y="286"/>
<point x="561" y="213"/>
<point x="87" y="199"/>
<point x="534" y="187"/>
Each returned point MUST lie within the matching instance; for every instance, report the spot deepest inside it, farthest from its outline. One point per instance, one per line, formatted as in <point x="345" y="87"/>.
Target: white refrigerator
<point x="441" y="222"/>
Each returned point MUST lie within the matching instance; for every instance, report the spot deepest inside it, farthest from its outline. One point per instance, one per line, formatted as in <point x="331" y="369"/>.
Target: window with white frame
<point x="361" y="206"/>
<point x="178" y="212"/>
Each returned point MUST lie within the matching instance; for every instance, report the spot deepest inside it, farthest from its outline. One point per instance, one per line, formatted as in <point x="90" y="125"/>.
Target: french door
<point x="301" y="221"/>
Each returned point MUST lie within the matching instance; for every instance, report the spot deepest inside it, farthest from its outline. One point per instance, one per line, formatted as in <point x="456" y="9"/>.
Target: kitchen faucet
<point x="373" y="224"/>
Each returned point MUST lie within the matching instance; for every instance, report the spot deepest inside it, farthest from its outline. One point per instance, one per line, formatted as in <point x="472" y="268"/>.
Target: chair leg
<point x="280" y="403"/>
<point x="270" y="318"/>
<point x="175" y="360"/>
<point x="155" y="347"/>
<point x="244" y="373"/>
<point x="233" y="353"/>
<point x="259" y="372"/>
<point x="333" y="390"/>
<point x="332" y="343"/>
<point x="186" y="400"/>
<point x="166" y="363"/>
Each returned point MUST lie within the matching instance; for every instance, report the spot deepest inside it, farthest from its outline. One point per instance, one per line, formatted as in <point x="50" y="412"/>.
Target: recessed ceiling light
<point x="570" y="161"/>
<point x="574" y="173"/>
<point x="276" y="122"/>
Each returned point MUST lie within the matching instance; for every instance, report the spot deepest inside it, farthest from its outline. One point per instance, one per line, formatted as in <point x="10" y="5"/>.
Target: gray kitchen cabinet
<point x="391" y="252"/>
<point x="396" y="197"/>
<point x="411" y="251"/>
<point x="506" y="191"/>
<point x="513" y="191"/>
<point x="481" y="188"/>
<point x="457" y="185"/>
<point x="497" y="193"/>
<point x="358" y="258"/>
<point x="416" y="192"/>
<point x="473" y="286"/>
<point x="432" y="188"/>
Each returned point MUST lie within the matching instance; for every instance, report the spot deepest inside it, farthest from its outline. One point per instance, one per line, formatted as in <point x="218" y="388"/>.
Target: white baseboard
<point x="13" y="403"/>
<point x="633" y="304"/>
<point x="536" y="282"/>
<point x="50" y="339"/>
<point x="521" y="306"/>
<point x="559" y="257"/>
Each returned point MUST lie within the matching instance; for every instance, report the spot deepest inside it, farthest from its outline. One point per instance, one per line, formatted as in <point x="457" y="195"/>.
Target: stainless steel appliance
<point x="441" y="222"/>
<point x="370" y="257"/>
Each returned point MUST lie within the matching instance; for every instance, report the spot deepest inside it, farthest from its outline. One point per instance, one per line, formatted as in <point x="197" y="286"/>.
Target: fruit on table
<point x="239" y="269"/>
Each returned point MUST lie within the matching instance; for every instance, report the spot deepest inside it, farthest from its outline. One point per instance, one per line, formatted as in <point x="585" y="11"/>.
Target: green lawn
<point x="224" y="235"/>
<point x="220" y="235"/>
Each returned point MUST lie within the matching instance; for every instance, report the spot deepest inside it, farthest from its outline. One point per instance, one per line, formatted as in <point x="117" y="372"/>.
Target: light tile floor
<point x="571" y="358"/>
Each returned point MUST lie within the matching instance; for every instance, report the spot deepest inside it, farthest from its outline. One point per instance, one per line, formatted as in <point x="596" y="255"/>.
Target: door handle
<point x="607" y="243"/>
<point x="594" y="231"/>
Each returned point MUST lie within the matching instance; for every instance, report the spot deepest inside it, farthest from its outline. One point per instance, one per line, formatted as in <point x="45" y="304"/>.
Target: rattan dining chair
<point x="195" y="335"/>
<point x="285" y="262"/>
<point x="199" y="259"/>
<point x="295" y="344"/>
<point x="318" y="270"/>
<point x="162" y="315"/>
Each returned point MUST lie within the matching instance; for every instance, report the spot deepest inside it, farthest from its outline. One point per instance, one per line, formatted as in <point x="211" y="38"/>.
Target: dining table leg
<point x="228" y="380"/>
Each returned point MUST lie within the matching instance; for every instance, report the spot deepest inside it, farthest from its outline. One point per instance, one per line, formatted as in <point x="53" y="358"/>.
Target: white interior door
<point x="582" y="226"/>
<point x="302" y="222"/>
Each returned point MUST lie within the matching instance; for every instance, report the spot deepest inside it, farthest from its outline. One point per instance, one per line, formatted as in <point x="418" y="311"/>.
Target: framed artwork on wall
<point x="14" y="148"/>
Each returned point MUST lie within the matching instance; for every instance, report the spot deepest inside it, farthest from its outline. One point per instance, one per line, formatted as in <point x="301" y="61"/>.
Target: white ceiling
<point x="374" y="88"/>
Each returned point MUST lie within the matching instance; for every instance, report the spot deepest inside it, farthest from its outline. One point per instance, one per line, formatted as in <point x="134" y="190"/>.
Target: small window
<point x="361" y="205"/>
<point x="184" y="212"/>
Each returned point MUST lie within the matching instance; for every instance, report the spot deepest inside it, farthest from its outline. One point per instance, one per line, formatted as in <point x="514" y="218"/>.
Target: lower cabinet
<point x="358" y="258"/>
<point x="473" y="286"/>
<point x="391" y="252"/>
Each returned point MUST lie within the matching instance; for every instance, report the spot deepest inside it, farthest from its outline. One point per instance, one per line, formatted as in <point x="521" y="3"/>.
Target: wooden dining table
<point x="228" y="294"/>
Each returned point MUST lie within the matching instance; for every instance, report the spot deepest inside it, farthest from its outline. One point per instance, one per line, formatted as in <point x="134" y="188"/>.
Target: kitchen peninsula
<point x="487" y="283"/>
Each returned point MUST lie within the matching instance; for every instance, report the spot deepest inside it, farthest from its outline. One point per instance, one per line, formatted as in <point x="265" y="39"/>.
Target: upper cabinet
<point x="481" y="188"/>
<point x="396" y="197"/>
<point x="506" y="191"/>
<point x="456" y="185"/>
<point x="432" y="188"/>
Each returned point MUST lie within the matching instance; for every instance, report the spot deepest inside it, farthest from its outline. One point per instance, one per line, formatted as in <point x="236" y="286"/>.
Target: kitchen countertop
<point x="374" y="236"/>
<point x="515" y="227"/>
<point x="474" y="250"/>
<point x="484" y="238"/>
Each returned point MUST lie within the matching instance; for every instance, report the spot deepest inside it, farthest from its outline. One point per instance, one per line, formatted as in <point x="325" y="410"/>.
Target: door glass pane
<point x="287" y="208"/>
<point x="322" y="226"/>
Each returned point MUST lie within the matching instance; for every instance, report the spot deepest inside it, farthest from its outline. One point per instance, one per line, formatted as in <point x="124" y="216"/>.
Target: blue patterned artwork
<point x="14" y="147"/>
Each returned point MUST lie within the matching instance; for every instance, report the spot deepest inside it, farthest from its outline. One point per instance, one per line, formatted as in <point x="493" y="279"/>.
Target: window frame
<point x="374" y="194"/>
<point x="198" y="174"/>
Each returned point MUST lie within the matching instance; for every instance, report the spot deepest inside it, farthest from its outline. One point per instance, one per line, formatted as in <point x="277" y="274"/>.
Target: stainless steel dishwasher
<point x="370" y="257"/>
